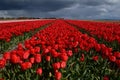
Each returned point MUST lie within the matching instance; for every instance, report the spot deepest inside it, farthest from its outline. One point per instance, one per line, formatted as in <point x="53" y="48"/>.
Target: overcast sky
<point x="73" y="9"/>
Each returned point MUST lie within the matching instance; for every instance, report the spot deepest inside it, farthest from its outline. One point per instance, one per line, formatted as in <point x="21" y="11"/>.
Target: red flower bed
<point x="106" y="30"/>
<point x="48" y="54"/>
<point x="8" y="30"/>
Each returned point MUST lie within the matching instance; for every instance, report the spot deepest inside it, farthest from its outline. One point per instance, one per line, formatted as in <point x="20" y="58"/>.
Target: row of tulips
<point x="8" y="30"/>
<point x="108" y="31"/>
<point x="55" y="52"/>
<point x="105" y="32"/>
<point x="26" y="30"/>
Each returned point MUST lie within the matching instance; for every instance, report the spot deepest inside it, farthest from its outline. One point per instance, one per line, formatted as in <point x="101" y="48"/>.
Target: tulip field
<point x="60" y="49"/>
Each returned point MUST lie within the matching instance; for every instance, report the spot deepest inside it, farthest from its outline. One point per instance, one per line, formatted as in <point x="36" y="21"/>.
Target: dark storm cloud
<point x="46" y="5"/>
<point x="41" y="5"/>
<point x="95" y="2"/>
<point x="78" y="9"/>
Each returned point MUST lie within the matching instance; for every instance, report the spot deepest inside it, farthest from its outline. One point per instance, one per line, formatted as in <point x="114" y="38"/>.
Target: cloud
<point x="75" y="9"/>
<point x="41" y="5"/>
<point x="4" y="14"/>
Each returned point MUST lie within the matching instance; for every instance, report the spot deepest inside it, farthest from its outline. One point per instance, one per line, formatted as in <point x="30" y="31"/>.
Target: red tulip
<point x="105" y="78"/>
<point x="26" y="65"/>
<point x="37" y="58"/>
<point x="76" y="44"/>
<point x="26" y="54"/>
<point x="95" y="58"/>
<point x="82" y="58"/>
<point x="39" y="71"/>
<point x="97" y="47"/>
<point x="69" y="53"/>
<point x="56" y="65"/>
<point x="117" y="54"/>
<point x="14" y="58"/>
<point x="47" y="58"/>
<point x="20" y="46"/>
<point x="20" y="53"/>
<point x="76" y="50"/>
<point x="2" y="63"/>
<point x="46" y="50"/>
<point x="37" y="49"/>
<point x="63" y="64"/>
<point x="32" y="51"/>
<point x="54" y="53"/>
<point x="118" y="62"/>
<point x="56" y="46"/>
<point x="58" y="75"/>
<point x="32" y="60"/>
<point x="63" y="57"/>
<point x="112" y="58"/>
<point x="6" y="55"/>
<point x="8" y="40"/>
<point x="1" y="78"/>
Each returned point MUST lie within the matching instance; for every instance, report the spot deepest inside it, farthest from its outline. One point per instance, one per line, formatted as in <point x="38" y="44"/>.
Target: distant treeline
<point x="10" y="18"/>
